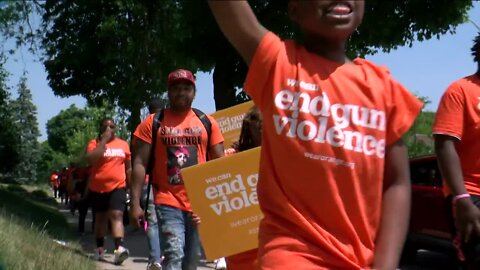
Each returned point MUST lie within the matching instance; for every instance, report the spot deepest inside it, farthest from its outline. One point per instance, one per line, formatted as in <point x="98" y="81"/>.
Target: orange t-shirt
<point x="54" y="180"/>
<point x="458" y="116"/>
<point x="326" y="126"/>
<point x="109" y="172"/>
<point x="181" y="142"/>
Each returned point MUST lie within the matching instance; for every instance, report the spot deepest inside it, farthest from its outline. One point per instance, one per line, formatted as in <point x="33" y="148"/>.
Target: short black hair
<point x="476" y="49"/>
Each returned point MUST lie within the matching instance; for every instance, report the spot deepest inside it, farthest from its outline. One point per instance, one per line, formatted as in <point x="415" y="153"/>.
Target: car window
<point x="425" y="172"/>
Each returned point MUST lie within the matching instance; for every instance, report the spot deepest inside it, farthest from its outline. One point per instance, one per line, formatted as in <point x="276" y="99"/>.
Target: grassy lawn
<point x="29" y="223"/>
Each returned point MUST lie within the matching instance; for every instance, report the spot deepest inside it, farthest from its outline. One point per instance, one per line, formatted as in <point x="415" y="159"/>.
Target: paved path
<point x="135" y="241"/>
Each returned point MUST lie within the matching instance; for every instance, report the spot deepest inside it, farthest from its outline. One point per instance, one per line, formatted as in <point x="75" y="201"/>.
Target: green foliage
<point x="116" y="51"/>
<point x="70" y="131"/>
<point x="25" y="221"/>
<point x="48" y="162"/>
<point x="122" y="51"/>
<point x="419" y="139"/>
<point x="9" y="137"/>
<point x="16" y="23"/>
<point x="25" y="116"/>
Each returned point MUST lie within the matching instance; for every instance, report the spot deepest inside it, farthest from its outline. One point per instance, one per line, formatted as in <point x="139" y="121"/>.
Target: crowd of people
<point x="334" y="184"/>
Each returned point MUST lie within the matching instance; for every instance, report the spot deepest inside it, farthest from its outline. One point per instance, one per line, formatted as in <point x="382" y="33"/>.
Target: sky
<point x="426" y="69"/>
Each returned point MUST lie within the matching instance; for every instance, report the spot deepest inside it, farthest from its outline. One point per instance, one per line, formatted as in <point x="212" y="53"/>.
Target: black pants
<point x="469" y="249"/>
<point x="83" y="205"/>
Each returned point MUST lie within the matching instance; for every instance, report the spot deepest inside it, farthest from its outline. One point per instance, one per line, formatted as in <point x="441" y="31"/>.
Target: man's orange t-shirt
<point x="458" y="116"/>
<point x="110" y="172"/>
<point x="181" y="142"/>
<point x="325" y="130"/>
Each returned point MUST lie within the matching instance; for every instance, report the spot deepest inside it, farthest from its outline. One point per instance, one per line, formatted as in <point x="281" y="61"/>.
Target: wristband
<point x="460" y="196"/>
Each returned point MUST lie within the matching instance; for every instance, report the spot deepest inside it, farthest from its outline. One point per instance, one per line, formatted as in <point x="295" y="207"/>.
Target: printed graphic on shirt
<point x="114" y="152"/>
<point x="179" y="136"/>
<point x="178" y="158"/>
<point x="346" y="118"/>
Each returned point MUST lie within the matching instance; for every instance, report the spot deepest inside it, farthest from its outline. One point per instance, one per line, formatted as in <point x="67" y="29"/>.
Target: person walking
<point x="185" y="137"/>
<point x="456" y="134"/>
<point x="109" y="158"/>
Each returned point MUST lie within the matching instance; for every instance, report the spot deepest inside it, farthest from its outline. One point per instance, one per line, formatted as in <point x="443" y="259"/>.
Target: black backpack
<point x="157" y="120"/>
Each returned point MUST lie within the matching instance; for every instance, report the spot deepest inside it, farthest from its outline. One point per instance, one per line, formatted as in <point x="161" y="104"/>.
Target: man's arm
<point x="449" y="163"/>
<point x="216" y="151"/>
<point x="128" y="172"/>
<point x="395" y="208"/>
<point x="239" y="24"/>
<point x="140" y="162"/>
<point x="467" y="214"/>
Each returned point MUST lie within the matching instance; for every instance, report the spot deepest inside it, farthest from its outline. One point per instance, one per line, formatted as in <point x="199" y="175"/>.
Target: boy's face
<point x="331" y="19"/>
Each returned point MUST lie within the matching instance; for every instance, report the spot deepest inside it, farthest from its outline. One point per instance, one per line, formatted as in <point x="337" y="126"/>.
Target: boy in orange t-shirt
<point x="334" y="182"/>
<point x="456" y="132"/>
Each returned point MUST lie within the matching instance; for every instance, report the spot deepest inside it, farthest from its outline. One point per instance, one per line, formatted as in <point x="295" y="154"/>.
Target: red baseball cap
<point x="180" y="75"/>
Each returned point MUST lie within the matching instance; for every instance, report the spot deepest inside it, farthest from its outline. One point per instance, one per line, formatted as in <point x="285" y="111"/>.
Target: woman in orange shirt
<point x="110" y="160"/>
<point x="250" y="137"/>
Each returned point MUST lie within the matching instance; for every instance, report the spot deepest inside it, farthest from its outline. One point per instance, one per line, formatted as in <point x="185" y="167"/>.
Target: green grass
<point x="27" y="230"/>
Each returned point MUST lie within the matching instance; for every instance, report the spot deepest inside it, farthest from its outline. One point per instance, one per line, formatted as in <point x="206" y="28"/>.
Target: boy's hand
<point x="196" y="219"/>
<point x="467" y="219"/>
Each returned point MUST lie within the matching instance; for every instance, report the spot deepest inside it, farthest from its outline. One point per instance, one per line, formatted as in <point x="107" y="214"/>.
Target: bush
<point x="15" y="188"/>
<point x="40" y="194"/>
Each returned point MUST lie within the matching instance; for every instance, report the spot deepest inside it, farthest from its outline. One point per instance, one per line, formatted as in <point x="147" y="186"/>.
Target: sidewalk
<point x="135" y="241"/>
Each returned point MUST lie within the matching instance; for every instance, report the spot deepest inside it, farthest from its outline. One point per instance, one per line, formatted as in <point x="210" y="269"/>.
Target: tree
<point x="16" y="23"/>
<point x="9" y="143"/>
<point x="402" y="22"/>
<point x="114" y="51"/>
<point x="25" y="116"/>
<point x="69" y="131"/>
<point x="122" y="50"/>
<point x="419" y="139"/>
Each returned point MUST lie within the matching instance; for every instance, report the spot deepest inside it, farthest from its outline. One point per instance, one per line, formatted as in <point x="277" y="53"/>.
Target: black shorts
<point x="113" y="200"/>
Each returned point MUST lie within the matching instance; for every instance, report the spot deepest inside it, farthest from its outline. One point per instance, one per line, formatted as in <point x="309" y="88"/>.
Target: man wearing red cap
<point x="182" y="130"/>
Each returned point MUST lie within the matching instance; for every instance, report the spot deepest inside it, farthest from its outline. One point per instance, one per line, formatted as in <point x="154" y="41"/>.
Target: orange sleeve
<point x="216" y="136"/>
<point x="92" y="144"/>
<point x="262" y="67"/>
<point x="144" y="130"/>
<point x="449" y="118"/>
<point x="403" y="111"/>
<point x="128" y="153"/>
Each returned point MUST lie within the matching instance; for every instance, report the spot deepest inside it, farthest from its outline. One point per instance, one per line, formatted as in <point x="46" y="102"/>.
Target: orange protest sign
<point x="230" y="121"/>
<point x="223" y="193"/>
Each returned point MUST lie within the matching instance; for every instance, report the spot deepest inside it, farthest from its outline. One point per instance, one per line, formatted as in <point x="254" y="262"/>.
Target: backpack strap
<point x="157" y="121"/>
<point x="207" y="124"/>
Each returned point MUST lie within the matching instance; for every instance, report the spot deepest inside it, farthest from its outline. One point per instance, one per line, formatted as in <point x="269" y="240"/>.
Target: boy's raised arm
<point x="239" y="24"/>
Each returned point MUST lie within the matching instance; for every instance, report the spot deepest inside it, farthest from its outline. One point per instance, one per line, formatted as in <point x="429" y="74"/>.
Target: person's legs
<point x="172" y="228"/>
<point x="115" y="214"/>
<point x="82" y="214"/>
<point x="153" y="234"/>
<point x="193" y="248"/>
<point x="99" y="203"/>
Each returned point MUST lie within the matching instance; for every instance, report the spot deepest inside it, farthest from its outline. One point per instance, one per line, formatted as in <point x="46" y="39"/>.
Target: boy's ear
<point x="293" y="10"/>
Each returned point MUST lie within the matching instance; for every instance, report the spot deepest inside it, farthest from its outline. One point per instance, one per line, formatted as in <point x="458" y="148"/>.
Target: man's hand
<point x="136" y="215"/>
<point x="196" y="219"/>
<point x="467" y="219"/>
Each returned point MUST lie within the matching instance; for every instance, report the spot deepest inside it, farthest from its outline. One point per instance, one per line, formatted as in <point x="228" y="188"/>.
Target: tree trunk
<point x="224" y="91"/>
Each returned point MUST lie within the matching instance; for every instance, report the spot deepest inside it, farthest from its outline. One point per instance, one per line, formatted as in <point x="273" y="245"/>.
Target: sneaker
<point x="154" y="266"/>
<point x="221" y="264"/>
<point x="121" y="254"/>
<point x="99" y="254"/>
